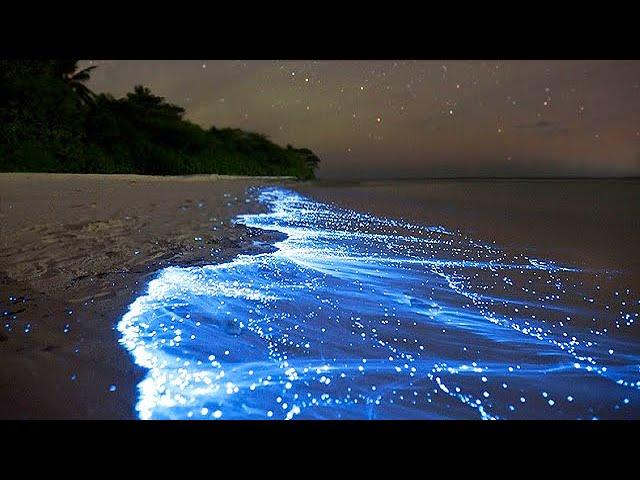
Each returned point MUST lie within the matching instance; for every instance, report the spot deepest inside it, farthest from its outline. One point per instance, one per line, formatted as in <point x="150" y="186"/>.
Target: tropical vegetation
<point x="51" y="121"/>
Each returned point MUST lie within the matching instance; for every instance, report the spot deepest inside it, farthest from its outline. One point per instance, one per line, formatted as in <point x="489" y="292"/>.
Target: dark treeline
<point x="51" y="122"/>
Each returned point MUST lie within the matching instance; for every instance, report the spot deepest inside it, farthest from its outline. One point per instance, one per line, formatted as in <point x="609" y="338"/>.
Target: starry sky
<point x="389" y="119"/>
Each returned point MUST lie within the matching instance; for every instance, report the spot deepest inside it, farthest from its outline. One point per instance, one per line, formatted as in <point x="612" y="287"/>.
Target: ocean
<point x="405" y="300"/>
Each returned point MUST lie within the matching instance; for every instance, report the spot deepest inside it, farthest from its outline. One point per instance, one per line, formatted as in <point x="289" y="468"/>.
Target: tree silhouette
<point x="50" y="121"/>
<point x="68" y="71"/>
<point x="149" y="105"/>
<point x="310" y="158"/>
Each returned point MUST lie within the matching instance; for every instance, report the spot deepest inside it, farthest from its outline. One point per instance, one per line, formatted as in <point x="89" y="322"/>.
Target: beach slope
<point x="74" y="251"/>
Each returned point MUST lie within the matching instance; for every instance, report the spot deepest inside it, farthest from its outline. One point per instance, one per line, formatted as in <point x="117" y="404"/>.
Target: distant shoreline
<point x="139" y="177"/>
<point x="206" y="177"/>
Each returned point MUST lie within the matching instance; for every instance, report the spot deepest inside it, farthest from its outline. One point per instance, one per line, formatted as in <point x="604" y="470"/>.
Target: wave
<point x="354" y="316"/>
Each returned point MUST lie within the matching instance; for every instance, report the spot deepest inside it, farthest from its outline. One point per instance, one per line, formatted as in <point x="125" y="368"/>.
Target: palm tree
<point x="67" y="70"/>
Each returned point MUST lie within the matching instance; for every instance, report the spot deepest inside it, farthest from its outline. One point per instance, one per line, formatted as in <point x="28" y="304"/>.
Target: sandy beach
<point x="78" y="250"/>
<point x="75" y="250"/>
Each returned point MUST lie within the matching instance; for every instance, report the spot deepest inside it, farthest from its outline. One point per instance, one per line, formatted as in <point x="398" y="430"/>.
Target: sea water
<point x="355" y="316"/>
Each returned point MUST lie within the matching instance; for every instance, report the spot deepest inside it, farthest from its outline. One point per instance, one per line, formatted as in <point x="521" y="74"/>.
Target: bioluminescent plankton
<point x="358" y="317"/>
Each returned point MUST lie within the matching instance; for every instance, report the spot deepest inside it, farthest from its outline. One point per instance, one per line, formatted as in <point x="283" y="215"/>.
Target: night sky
<point x="372" y="119"/>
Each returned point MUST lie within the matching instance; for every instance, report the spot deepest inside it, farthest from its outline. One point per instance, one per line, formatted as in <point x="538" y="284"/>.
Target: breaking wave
<point x="359" y="317"/>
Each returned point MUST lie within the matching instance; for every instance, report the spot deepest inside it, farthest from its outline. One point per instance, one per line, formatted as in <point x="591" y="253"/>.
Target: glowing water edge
<point x="354" y="316"/>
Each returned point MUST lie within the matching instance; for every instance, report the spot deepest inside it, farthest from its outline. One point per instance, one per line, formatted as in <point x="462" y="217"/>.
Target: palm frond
<point x="83" y="75"/>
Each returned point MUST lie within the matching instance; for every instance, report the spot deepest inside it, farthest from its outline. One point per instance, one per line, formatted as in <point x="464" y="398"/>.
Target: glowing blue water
<point x="354" y="316"/>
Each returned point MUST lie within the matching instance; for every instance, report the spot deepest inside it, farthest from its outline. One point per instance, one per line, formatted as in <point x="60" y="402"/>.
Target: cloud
<point x="544" y="127"/>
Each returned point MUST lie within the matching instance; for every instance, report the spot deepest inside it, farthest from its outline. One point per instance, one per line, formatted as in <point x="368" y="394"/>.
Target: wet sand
<point x="74" y="251"/>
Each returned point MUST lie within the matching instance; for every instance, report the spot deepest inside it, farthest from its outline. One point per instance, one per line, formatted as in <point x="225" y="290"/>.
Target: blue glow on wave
<point x="356" y="316"/>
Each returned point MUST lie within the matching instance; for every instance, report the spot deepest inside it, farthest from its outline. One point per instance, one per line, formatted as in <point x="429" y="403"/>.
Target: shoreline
<point x="138" y="177"/>
<point x="76" y="254"/>
<point x="280" y="371"/>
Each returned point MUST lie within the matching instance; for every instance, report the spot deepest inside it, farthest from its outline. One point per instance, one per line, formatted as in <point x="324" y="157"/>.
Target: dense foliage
<point x="50" y="121"/>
